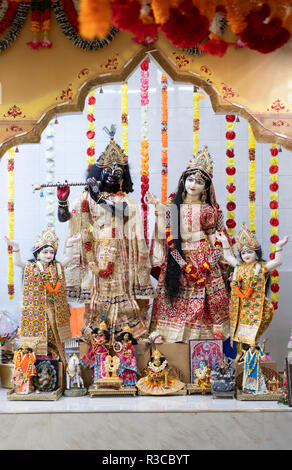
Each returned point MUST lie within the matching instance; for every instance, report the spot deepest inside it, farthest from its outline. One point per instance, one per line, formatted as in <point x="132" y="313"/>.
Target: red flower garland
<point x="186" y="26"/>
<point x="262" y="35"/>
<point x="274" y="221"/>
<point x="9" y="16"/>
<point x="126" y="16"/>
<point x="230" y="171"/>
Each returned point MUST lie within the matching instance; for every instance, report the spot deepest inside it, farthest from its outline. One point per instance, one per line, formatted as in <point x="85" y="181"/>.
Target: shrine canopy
<point x="40" y="79"/>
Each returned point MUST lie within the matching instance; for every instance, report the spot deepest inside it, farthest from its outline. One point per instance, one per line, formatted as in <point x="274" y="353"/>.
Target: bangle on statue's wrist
<point x="62" y="203"/>
<point x="15" y="251"/>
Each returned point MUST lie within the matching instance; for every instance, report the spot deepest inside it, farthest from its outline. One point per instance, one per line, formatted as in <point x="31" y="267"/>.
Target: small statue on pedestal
<point x="74" y="381"/>
<point x="125" y="351"/>
<point x="253" y="378"/>
<point x="223" y="379"/>
<point x="157" y="380"/>
<point x="24" y="370"/>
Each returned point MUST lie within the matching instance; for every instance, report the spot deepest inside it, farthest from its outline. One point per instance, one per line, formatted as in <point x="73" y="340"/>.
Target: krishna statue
<point x="113" y="274"/>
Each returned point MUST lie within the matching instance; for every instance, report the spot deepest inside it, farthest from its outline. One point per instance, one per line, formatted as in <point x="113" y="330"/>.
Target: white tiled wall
<point x="70" y="150"/>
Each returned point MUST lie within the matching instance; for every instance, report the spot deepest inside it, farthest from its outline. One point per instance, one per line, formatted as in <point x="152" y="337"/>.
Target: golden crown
<point x="246" y="238"/>
<point x="113" y="153"/>
<point x="102" y="326"/>
<point x="156" y="354"/>
<point x="202" y="160"/>
<point x="127" y="329"/>
<point x="47" y="237"/>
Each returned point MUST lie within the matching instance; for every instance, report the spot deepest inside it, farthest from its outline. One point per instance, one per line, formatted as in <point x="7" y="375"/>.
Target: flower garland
<point x="251" y="180"/>
<point x="50" y="163"/>
<point x="274" y="221"/>
<point x="95" y="18"/>
<point x="40" y="22"/>
<point x="124" y="117"/>
<point x="3" y="8"/>
<point x="10" y="221"/>
<point x="90" y="134"/>
<point x="144" y="67"/>
<point x="263" y="27"/>
<point x="8" y="17"/>
<point x="164" y="138"/>
<point x="196" y="119"/>
<point x="69" y="25"/>
<point x="16" y="26"/>
<point x="230" y="179"/>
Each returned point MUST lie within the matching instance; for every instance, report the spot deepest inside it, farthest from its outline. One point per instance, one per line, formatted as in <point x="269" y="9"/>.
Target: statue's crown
<point x="113" y="153"/>
<point x="246" y="238"/>
<point x="47" y="237"/>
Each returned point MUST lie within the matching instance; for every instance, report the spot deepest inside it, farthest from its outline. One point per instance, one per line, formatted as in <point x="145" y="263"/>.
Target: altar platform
<point x="190" y="422"/>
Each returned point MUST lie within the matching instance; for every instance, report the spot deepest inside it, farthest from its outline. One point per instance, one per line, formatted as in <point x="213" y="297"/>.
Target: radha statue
<point x="113" y="272"/>
<point x="192" y="300"/>
<point x="250" y="309"/>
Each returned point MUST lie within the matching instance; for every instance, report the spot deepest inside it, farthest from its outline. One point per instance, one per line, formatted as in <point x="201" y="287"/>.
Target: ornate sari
<point x="197" y="311"/>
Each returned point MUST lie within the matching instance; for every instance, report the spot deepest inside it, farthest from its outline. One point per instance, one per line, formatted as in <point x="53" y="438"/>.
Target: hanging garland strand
<point x="251" y="180"/>
<point x="164" y="138"/>
<point x="90" y="134"/>
<point x="144" y="67"/>
<point x="124" y="117"/>
<point x="230" y="179"/>
<point x="10" y="221"/>
<point x="50" y="164"/>
<point x="16" y="26"/>
<point x="274" y="220"/>
<point x="196" y="119"/>
<point x="67" y="18"/>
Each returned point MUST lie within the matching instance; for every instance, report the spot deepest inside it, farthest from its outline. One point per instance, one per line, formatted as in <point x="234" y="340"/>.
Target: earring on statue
<point x="121" y="185"/>
<point x="204" y="196"/>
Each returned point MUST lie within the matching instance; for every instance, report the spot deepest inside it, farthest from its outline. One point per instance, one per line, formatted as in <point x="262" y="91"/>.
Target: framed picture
<point x="209" y="350"/>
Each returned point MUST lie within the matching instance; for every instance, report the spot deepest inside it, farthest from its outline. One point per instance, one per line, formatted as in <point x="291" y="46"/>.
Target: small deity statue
<point x="97" y="352"/>
<point x="73" y="373"/>
<point x="253" y="380"/>
<point x="45" y="317"/>
<point x="157" y="380"/>
<point x="113" y="271"/>
<point x="24" y="370"/>
<point x="250" y="310"/>
<point x="202" y="375"/>
<point x="46" y="378"/>
<point x="192" y="299"/>
<point x="223" y="376"/>
<point x="111" y="365"/>
<point x="125" y="351"/>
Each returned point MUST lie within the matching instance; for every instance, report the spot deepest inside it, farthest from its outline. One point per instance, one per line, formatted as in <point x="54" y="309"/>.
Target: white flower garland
<point x="50" y="164"/>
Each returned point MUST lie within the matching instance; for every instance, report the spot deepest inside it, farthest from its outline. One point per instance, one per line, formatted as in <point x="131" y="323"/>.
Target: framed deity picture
<point x="204" y="352"/>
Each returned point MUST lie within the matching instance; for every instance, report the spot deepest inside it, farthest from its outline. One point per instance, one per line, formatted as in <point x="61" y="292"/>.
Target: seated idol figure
<point x="112" y="276"/>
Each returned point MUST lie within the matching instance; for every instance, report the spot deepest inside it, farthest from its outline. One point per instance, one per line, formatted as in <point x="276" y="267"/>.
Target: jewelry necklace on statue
<point x="157" y="368"/>
<point x="191" y="201"/>
<point x="49" y="287"/>
<point x="201" y="374"/>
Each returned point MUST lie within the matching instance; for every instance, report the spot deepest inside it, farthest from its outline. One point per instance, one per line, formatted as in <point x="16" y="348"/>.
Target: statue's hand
<point x="93" y="187"/>
<point x="63" y="191"/>
<point x="12" y="243"/>
<point x="282" y="242"/>
<point x="150" y="198"/>
<point x="221" y="237"/>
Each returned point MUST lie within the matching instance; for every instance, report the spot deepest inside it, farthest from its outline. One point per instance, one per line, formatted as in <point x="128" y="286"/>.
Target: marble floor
<point x="140" y="423"/>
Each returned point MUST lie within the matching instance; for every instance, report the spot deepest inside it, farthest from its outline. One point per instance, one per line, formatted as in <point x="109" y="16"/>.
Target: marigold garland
<point x="144" y="68"/>
<point x="91" y="128"/>
<point x="67" y="18"/>
<point x="9" y="15"/>
<point x="124" y="117"/>
<point x="196" y="119"/>
<point x="230" y="179"/>
<point x="95" y="18"/>
<point x="251" y="180"/>
<point x="10" y="221"/>
<point x="274" y="221"/>
<point x="164" y="138"/>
